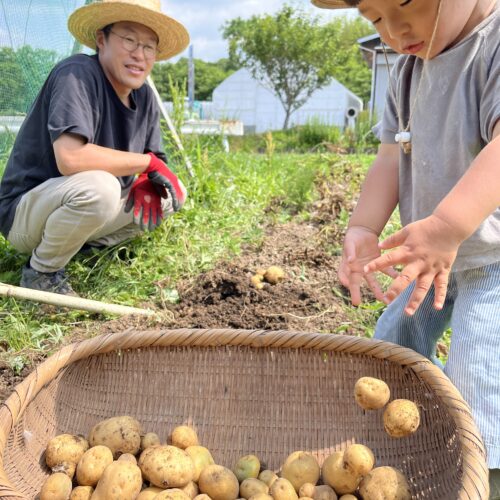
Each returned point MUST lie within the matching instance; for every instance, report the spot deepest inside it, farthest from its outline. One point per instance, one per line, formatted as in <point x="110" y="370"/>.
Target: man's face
<point x="127" y="69"/>
<point x="407" y="25"/>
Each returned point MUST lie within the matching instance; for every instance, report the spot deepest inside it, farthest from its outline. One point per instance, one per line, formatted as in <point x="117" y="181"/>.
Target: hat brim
<point x="84" y="22"/>
<point x="331" y="4"/>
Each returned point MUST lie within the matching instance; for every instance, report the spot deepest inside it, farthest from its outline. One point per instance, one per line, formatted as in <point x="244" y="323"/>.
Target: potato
<point x="82" y="493"/>
<point x="282" y="489"/>
<point x="348" y="497"/>
<point x="202" y="496"/>
<point x="251" y="486"/>
<point x="57" y="486"/>
<point x="167" y="466"/>
<point x="184" y="436"/>
<point x="149" y="493"/>
<point x="340" y="478"/>
<point x="371" y="393"/>
<point x="322" y="492"/>
<point x="256" y="281"/>
<point x="261" y="496"/>
<point x="219" y="483"/>
<point x="268" y="476"/>
<point x="401" y="418"/>
<point x="149" y="439"/>
<point x="274" y="274"/>
<point x="191" y="489"/>
<point x="385" y="482"/>
<point x="299" y="468"/>
<point x="201" y="457"/>
<point x="63" y="453"/>
<point x="172" y="494"/>
<point x="119" y="434"/>
<point x="128" y="457"/>
<point x="359" y="459"/>
<point x="121" y="480"/>
<point x="246" y="466"/>
<point x="91" y="466"/>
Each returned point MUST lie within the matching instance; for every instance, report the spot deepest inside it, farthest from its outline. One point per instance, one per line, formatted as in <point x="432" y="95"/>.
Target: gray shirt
<point x="455" y="111"/>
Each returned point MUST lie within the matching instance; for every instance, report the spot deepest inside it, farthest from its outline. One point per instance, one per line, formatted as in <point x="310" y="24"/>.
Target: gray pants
<point x="56" y="218"/>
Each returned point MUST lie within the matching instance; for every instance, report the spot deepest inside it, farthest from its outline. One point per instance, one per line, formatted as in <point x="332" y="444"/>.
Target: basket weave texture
<point x="267" y="393"/>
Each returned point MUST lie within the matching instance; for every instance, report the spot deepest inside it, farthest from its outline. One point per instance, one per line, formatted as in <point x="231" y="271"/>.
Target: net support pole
<point x="171" y="127"/>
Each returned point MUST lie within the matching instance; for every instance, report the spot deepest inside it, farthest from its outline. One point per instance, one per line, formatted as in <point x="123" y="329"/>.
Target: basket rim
<point x="475" y="471"/>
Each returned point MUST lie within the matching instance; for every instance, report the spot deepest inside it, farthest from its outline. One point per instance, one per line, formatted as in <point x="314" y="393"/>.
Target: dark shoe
<point x="89" y="249"/>
<point x="46" y="282"/>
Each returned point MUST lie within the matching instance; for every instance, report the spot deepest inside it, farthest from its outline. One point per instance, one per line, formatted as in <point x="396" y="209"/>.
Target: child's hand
<point x="427" y="250"/>
<point x="360" y="247"/>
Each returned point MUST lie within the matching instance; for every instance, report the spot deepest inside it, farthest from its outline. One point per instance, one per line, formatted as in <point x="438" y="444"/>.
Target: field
<point x="246" y="211"/>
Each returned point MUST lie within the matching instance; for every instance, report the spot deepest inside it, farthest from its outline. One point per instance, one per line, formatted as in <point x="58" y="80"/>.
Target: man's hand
<point x="146" y="201"/>
<point x="360" y="247"/>
<point x="166" y="181"/>
<point x="427" y="250"/>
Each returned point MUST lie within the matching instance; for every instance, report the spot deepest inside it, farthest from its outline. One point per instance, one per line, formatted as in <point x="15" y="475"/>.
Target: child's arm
<point x="378" y="199"/>
<point x="428" y="248"/>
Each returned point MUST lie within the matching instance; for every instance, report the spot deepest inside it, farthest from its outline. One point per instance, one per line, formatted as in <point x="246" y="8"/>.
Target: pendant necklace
<point x="403" y="137"/>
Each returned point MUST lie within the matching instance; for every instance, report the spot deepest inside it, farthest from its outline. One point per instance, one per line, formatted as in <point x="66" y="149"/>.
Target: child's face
<point x="407" y="25"/>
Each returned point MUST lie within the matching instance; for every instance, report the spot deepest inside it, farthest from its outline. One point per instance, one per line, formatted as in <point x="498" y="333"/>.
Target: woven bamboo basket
<point x="267" y="393"/>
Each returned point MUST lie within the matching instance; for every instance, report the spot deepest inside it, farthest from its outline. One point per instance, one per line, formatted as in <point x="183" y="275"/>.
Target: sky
<point x="42" y="23"/>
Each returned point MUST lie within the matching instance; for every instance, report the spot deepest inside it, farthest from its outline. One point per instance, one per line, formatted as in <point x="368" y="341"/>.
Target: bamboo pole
<point x="56" y="299"/>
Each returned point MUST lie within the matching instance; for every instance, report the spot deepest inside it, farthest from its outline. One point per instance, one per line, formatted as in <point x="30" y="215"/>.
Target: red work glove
<point x="146" y="201"/>
<point x="167" y="182"/>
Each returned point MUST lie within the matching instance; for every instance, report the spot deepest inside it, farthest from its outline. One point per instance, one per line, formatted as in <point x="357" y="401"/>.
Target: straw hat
<point x="331" y="4"/>
<point x="83" y="23"/>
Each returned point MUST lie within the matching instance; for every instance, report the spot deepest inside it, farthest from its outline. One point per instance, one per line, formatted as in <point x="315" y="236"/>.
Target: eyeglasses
<point x="130" y="44"/>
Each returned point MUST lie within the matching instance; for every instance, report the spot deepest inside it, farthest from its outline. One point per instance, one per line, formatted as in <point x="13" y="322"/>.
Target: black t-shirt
<point x="76" y="98"/>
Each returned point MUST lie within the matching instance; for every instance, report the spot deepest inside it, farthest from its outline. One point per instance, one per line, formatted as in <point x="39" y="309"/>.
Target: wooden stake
<point x="57" y="299"/>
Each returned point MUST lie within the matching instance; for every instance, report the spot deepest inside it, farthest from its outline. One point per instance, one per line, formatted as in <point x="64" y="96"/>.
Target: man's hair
<point x="106" y="30"/>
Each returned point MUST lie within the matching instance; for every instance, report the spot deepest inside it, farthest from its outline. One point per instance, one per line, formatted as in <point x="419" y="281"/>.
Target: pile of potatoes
<point x="119" y="461"/>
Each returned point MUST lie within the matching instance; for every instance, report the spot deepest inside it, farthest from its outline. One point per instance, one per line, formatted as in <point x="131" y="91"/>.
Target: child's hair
<point x="352" y="3"/>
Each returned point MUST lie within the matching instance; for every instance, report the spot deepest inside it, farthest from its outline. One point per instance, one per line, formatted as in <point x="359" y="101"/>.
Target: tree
<point x="287" y="52"/>
<point x="207" y="76"/>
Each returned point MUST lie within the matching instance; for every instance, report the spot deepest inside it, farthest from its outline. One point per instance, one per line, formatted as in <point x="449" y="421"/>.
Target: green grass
<point x="228" y="197"/>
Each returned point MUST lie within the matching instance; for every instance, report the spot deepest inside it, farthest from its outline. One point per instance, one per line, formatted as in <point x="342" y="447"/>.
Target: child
<point x="439" y="159"/>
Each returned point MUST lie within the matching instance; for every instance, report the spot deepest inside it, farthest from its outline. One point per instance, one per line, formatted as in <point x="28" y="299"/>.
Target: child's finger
<point x="422" y="287"/>
<point x="440" y="289"/>
<point x="355" y="280"/>
<point x="394" y="240"/>
<point x="405" y="278"/>
<point x="386" y="261"/>
<point x="374" y="286"/>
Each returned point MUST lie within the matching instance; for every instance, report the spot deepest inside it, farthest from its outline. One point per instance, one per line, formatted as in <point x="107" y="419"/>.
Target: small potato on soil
<point x="63" y="452"/>
<point x="256" y="281"/>
<point x="359" y="459"/>
<point x="401" y="418"/>
<point x="384" y="482"/>
<point x="274" y="274"/>
<point x="371" y="393"/>
<point x="57" y="486"/>
<point x="183" y="436"/>
<point x="82" y="493"/>
<point x="219" y="483"/>
<point x="246" y="467"/>
<point x="301" y="467"/>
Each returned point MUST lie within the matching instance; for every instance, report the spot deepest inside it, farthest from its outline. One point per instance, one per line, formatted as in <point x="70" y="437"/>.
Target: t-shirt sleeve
<point x="489" y="107"/>
<point x="71" y="108"/>
<point x="387" y="128"/>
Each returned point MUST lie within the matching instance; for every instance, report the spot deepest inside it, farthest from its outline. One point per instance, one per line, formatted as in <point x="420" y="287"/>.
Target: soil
<point x="309" y="298"/>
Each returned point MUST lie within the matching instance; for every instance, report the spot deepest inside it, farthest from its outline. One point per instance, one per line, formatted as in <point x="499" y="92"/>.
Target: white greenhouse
<point x="242" y="97"/>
